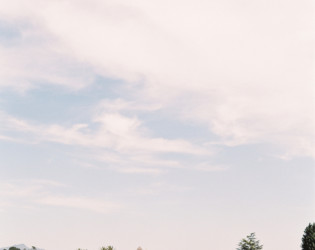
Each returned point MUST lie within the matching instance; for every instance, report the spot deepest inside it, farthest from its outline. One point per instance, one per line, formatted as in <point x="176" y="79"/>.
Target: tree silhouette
<point x="308" y="240"/>
<point x="250" y="243"/>
<point x="107" y="248"/>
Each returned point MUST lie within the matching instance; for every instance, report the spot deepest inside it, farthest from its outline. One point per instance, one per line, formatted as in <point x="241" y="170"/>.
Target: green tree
<point x="107" y="248"/>
<point x="14" y="248"/>
<point x="308" y="239"/>
<point x="250" y="243"/>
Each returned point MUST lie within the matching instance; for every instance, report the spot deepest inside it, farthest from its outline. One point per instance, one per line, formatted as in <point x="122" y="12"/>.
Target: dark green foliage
<point x="107" y="248"/>
<point x="14" y="248"/>
<point x="308" y="240"/>
<point x="250" y="243"/>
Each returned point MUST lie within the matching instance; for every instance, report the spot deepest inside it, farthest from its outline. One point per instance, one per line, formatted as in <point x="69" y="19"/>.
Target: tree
<point x="107" y="248"/>
<point x="14" y="248"/>
<point x="308" y="239"/>
<point x="250" y="243"/>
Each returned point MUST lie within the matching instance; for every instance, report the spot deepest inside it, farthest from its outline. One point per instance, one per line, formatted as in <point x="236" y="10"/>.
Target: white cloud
<point x="210" y="167"/>
<point x="94" y="205"/>
<point x="245" y="69"/>
<point x="114" y="138"/>
<point x="24" y="68"/>
<point x="12" y="189"/>
<point x="45" y="182"/>
<point x="32" y="57"/>
<point x="158" y="188"/>
<point x="137" y="170"/>
<point x="31" y="193"/>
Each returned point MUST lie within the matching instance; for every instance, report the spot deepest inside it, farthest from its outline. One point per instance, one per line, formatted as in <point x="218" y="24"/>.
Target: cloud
<point x="209" y="167"/>
<point x="114" y="131"/>
<point x="31" y="58"/>
<point x="46" y="182"/>
<point x="158" y="188"/>
<point x="32" y="193"/>
<point x="120" y="141"/>
<point x="12" y="189"/>
<point x="137" y="170"/>
<point x="94" y="205"/>
<point x="243" y="70"/>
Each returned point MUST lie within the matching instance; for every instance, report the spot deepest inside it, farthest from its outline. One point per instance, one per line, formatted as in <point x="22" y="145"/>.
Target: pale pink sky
<point x="166" y="124"/>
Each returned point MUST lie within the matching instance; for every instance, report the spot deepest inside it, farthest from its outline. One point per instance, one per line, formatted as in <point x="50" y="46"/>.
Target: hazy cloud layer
<point x="169" y="118"/>
<point x="246" y="76"/>
<point x="31" y="194"/>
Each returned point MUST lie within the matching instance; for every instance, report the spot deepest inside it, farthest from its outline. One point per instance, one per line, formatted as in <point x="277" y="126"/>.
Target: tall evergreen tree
<point x="250" y="243"/>
<point x="308" y="239"/>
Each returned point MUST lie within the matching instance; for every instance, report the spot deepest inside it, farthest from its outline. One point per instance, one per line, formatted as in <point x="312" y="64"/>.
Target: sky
<point x="169" y="125"/>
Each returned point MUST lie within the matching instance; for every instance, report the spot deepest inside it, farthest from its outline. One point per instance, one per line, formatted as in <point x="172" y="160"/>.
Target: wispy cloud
<point x="120" y="141"/>
<point x="138" y="170"/>
<point x="158" y="188"/>
<point x="94" y="205"/>
<point x="114" y="131"/>
<point x="32" y="193"/>
<point x="245" y="93"/>
<point x="148" y="102"/>
<point x="210" y="167"/>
